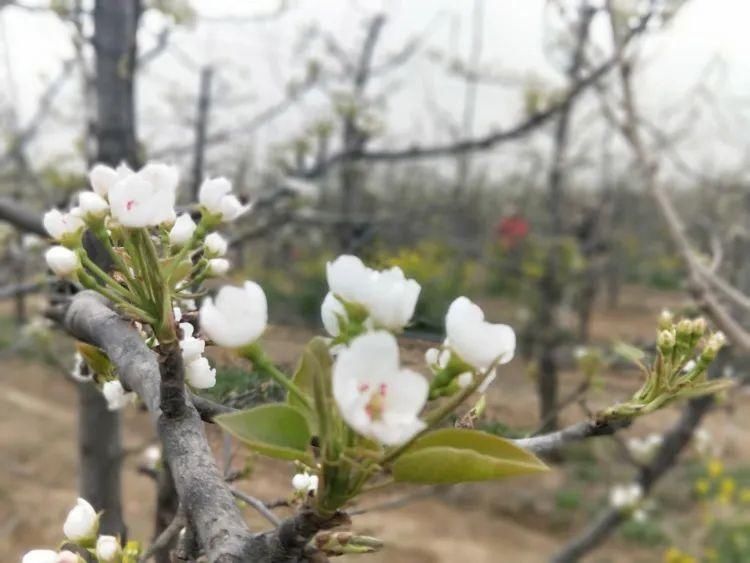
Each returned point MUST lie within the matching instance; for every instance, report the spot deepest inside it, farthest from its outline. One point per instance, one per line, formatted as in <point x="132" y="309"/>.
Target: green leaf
<point x="628" y="352"/>
<point x="313" y="374"/>
<point x="315" y="359"/>
<point x="275" y="430"/>
<point x="456" y="455"/>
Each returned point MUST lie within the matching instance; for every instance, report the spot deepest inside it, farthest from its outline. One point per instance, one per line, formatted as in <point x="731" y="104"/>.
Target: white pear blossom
<point x="375" y="396"/>
<point x="237" y="317"/>
<point x="200" y="374"/>
<point x="192" y="348"/>
<point x="116" y="395"/>
<point x="392" y="298"/>
<point x="50" y="556"/>
<point x="40" y="556"/>
<point x="103" y="177"/>
<point x="66" y="556"/>
<point x="625" y="496"/>
<point x="437" y="358"/>
<point x="146" y="198"/>
<point x="182" y="230"/>
<point x="216" y="245"/>
<point x="305" y="483"/>
<point x="62" y="261"/>
<point x="389" y="297"/>
<point x="689" y="366"/>
<point x="476" y="341"/>
<point x="218" y="266"/>
<point x="465" y="379"/>
<point x="215" y="195"/>
<point x="349" y="278"/>
<point x="30" y="241"/>
<point x="151" y="456"/>
<point x="643" y="449"/>
<point x="59" y="224"/>
<point x="82" y="522"/>
<point x="92" y="205"/>
<point x="108" y="549"/>
<point x="330" y="311"/>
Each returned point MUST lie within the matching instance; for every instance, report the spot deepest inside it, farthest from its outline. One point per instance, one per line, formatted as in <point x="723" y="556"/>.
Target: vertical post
<point x="201" y="126"/>
<point x="99" y="437"/>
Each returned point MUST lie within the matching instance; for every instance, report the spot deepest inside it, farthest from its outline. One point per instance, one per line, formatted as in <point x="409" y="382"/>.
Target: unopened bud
<point x="699" y="326"/>
<point x="715" y="343"/>
<point x="666" y="319"/>
<point x="665" y="341"/>
<point x="684" y="328"/>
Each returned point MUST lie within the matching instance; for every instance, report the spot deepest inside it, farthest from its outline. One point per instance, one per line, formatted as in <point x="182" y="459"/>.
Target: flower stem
<point x="106" y="278"/>
<point x="264" y="364"/>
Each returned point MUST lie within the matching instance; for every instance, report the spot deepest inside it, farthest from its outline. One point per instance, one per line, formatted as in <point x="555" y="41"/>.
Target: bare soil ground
<point x="513" y="521"/>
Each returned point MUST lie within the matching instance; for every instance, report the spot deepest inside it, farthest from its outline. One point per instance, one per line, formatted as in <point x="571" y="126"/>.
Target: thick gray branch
<point x="206" y="498"/>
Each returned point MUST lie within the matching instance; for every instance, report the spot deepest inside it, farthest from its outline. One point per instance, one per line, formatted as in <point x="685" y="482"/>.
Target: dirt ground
<point x="511" y="521"/>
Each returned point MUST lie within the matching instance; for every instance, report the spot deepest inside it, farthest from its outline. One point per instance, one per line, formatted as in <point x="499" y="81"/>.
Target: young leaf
<point x="455" y="455"/>
<point x="628" y="352"/>
<point x="275" y="430"/>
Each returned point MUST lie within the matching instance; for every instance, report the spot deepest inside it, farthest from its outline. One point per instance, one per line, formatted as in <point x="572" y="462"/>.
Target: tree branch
<point x="206" y="498"/>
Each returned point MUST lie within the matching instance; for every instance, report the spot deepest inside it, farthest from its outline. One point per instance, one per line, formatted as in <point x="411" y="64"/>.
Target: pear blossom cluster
<point x="81" y="527"/>
<point x="159" y="257"/>
<point x="377" y="397"/>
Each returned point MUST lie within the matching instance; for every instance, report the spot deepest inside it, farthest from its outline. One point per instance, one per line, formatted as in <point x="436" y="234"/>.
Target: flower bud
<point x="684" y="328"/>
<point x="216" y="245"/>
<point x="199" y="374"/>
<point x="182" y="230"/>
<point x="305" y="483"/>
<point x="666" y="319"/>
<point x="82" y="523"/>
<point x="715" y="343"/>
<point x="40" y="556"/>
<point x="465" y="379"/>
<point x="61" y="225"/>
<point x="116" y="395"/>
<point x="108" y="549"/>
<point x="665" y="341"/>
<point x="93" y="206"/>
<point x="237" y="317"/>
<point x="62" y="261"/>
<point x="218" y="266"/>
<point x="699" y="326"/>
<point x="102" y="178"/>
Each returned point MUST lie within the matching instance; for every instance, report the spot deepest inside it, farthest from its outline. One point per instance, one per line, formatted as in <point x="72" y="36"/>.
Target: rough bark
<point x="203" y="493"/>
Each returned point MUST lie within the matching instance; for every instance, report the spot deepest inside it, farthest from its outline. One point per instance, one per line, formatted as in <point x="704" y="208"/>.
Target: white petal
<point x="330" y="311"/>
<point x="102" y="178"/>
<point x="212" y="191"/>
<point x="199" y="374"/>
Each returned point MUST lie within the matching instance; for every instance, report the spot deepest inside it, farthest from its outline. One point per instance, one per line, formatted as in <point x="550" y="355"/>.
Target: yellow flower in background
<point x="726" y="490"/>
<point x="702" y="486"/>
<point x="674" y="555"/>
<point x="745" y="495"/>
<point x="715" y="468"/>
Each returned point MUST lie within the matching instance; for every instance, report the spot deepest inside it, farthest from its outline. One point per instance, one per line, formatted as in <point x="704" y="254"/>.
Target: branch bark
<point x="204" y="495"/>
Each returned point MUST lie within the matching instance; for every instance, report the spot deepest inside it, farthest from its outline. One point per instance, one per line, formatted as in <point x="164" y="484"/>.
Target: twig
<point x="258" y="505"/>
<point x="166" y="536"/>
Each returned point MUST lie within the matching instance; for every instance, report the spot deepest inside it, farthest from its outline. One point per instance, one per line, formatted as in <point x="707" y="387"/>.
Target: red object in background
<point x="511" y="231"/>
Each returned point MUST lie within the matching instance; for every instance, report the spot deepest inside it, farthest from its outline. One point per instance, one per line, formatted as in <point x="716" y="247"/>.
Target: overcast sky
<point x="708" y="42"/>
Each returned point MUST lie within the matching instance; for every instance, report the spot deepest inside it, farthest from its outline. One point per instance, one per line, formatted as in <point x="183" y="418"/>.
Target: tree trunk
<point x="100" y="448"/>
